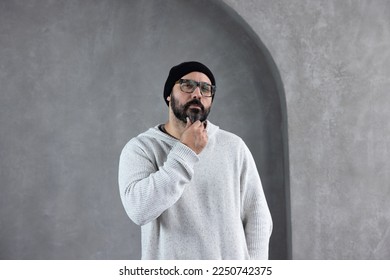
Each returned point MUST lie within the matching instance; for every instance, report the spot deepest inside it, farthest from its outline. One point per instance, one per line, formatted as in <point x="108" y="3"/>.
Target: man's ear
<point x="169" y="98"/>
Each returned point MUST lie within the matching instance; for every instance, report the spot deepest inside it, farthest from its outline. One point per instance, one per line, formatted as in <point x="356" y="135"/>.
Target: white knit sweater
<point x="206" y="206"/>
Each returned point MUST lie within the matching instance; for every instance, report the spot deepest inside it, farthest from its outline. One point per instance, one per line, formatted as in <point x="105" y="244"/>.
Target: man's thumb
<point x="188" y="122"/>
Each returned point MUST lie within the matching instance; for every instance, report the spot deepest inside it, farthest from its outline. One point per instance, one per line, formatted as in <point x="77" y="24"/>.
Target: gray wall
<point x="80" y="78"/>
<point x="334" y="60"/>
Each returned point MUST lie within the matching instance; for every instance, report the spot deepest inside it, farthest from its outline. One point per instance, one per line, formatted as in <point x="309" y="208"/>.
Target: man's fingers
<point x="196" y="124"/>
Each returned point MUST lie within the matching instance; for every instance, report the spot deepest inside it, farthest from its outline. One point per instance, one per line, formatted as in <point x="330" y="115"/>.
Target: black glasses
<point x="189" y="86"/>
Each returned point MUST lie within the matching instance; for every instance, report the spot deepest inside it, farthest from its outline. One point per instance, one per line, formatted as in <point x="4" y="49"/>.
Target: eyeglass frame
<point x="198" y="84"/>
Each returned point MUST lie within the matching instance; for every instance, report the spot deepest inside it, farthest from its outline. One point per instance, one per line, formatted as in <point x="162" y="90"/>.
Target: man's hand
<point x="195" y="136"/>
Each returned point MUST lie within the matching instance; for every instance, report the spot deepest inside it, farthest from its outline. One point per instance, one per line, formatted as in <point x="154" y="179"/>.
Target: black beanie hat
<point x="178" y="71"/>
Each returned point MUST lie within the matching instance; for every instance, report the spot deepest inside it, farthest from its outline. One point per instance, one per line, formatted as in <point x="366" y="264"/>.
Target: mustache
<point x="194" y="102"/>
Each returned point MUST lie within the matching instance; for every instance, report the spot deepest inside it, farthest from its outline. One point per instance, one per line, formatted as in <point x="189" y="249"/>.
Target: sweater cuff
<point x="186" y="154"/>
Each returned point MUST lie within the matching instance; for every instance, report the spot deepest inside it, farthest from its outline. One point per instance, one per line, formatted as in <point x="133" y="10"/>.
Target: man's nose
<point x="196" y="94"/>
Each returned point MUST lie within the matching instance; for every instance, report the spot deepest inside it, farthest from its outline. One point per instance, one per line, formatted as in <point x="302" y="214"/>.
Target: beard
<point x="181" y="112"/>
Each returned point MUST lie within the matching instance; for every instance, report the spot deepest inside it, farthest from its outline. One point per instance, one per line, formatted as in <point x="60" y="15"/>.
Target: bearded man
<point x="192" y="187"/>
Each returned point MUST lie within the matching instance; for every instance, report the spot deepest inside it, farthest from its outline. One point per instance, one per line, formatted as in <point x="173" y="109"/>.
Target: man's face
<point x="192" y="105"/>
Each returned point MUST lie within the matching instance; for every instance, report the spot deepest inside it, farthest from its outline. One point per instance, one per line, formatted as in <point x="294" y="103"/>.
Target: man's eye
<point x="206" y="88"/>
<point x="188" y="85"/>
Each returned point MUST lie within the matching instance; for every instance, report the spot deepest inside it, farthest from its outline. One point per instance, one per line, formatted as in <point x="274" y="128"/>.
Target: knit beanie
<point x="178" y="71"/>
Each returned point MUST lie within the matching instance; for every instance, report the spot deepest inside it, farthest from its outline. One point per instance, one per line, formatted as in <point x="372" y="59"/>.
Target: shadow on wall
<point x="79" y="79"/>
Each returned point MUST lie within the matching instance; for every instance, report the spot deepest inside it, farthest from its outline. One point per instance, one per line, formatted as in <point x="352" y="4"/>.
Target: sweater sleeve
<point x="256" y="216"/>
<point x="148" y="190"/>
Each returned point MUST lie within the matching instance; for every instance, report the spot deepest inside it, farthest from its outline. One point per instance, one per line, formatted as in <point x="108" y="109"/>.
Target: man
<point x="194" y="188"/>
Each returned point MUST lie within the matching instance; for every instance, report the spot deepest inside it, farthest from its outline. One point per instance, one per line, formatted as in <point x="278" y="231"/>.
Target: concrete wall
<point x="80" y="78"/>
<point x="334" y="60"/>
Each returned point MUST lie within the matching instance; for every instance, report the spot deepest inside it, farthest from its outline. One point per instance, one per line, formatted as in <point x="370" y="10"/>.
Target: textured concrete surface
<point x="79" y="79"/>
<point x="74" y="90"/>
<point x="334" y="60"/>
